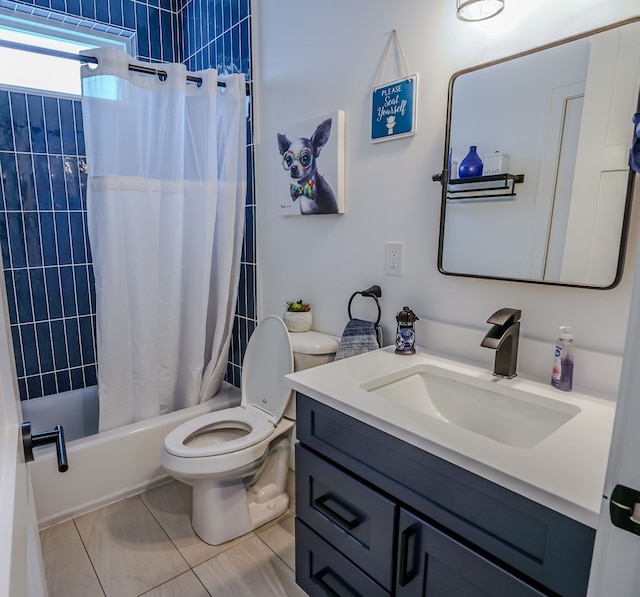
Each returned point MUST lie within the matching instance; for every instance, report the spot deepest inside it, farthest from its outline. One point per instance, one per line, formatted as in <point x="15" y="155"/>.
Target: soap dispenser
<point x="405" y="333"/>
<point x="562" y="374"/>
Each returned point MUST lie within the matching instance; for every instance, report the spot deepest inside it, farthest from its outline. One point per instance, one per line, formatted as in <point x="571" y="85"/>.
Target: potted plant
<point x="297" y="316"/>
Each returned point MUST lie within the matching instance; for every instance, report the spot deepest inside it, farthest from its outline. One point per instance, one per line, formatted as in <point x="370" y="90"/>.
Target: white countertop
<point x="564" y="472"/>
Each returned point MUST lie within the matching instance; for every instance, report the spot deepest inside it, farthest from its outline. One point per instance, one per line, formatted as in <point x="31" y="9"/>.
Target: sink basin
<point x="512" y="417"/>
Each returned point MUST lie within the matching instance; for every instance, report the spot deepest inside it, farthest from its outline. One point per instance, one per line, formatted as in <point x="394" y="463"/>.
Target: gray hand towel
<point x="359" y="336"/>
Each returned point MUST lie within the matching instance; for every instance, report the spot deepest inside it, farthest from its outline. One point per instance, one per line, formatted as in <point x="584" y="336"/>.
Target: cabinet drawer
<point x="432" y="563"/>
<point x="350" y="515"/>
<point x="322" y="571"/>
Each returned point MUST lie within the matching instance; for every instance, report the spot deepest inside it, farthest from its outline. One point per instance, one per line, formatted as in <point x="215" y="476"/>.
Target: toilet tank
<point x="310" y="349"/>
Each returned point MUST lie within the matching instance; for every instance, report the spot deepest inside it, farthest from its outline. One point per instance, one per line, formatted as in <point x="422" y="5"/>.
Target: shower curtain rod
<point x="12" y="45"/>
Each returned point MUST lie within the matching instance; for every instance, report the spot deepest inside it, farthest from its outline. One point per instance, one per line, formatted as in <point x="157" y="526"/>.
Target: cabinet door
<point x="433" y="564"/>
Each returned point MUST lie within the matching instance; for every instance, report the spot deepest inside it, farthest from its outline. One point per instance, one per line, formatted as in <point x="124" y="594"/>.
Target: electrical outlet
<point x="394" y="259"/>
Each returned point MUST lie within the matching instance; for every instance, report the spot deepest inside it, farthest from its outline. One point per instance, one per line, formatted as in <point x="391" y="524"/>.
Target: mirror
<point x="553" y="127"/>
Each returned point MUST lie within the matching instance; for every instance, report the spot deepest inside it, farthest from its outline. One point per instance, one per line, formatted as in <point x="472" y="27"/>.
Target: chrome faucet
<point x="503" y="338"/>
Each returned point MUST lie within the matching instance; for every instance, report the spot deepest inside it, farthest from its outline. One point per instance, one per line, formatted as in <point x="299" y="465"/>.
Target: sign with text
<point x="393" y="110"/>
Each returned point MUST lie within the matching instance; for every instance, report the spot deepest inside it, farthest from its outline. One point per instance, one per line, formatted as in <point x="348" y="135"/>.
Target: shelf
<point x="496" y="186"/>
<point x="493" y="178"/>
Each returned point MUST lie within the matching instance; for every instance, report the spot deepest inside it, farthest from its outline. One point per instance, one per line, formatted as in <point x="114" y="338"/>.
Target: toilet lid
<point x="267" y="360"/>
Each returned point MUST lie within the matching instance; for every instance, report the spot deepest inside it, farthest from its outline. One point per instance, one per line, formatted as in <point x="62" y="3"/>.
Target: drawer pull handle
<point x="407" y="540"/>
<point x="344" y="519"/>
<point x="327" y="577"/>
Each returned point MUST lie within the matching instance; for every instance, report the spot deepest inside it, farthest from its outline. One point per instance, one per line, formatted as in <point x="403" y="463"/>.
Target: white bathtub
<point x="105" y="467"/>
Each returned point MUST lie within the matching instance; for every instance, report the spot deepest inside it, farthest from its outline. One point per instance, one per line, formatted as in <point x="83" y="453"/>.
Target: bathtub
<point x="103" y="467"/>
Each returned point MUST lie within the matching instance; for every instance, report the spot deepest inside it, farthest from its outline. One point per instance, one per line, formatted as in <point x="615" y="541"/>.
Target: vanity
<point x="423" y="475"/>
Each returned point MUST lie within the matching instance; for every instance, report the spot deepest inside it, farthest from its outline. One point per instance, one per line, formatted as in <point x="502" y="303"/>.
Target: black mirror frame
<point x="443" y="177"/>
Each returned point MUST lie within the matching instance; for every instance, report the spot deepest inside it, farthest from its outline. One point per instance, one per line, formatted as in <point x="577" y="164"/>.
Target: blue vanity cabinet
<point x="378" y="516"/>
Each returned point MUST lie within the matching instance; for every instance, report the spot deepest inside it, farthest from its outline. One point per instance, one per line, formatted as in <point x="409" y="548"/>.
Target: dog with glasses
<point x="300" y="159"/>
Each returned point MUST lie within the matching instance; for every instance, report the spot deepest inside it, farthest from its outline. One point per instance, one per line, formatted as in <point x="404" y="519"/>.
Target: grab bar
<point x="56" y="436"/>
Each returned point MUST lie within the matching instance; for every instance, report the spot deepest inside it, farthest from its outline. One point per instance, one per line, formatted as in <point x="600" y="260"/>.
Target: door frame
<point x="21" y="565"/>
<point x="614" y="569"/>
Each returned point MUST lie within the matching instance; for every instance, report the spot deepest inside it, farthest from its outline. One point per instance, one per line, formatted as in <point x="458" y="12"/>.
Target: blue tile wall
<point x="43" y="236"/>
<point x="217" y="34"/>
<point x="153" y="24"/>
<point x="43" y="229"/>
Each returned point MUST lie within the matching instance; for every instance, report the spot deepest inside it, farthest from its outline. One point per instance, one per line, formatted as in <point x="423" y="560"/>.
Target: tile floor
<point x="144" y="545"/>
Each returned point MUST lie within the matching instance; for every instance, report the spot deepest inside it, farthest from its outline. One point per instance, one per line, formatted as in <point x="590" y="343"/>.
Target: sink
<point x="507" y="415"/>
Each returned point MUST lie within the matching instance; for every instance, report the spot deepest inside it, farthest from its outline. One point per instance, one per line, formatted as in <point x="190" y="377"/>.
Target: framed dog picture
<point x="311" y="162"/>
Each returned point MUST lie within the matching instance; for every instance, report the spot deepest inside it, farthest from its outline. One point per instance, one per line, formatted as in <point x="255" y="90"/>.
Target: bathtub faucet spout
<point x="54" y="436"/>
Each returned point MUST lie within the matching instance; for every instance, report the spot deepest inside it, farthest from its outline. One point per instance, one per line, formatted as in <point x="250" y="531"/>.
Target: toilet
<point x="237" y="459"/>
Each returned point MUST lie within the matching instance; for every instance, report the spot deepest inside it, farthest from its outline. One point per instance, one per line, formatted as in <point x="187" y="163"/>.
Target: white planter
<point x="299" y="321"/>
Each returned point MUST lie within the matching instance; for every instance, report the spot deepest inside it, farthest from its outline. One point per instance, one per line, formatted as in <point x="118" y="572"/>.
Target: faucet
<point x="503" y="338"/>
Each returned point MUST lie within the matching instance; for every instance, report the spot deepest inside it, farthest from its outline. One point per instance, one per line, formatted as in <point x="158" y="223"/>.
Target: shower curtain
<point x="165" y="209"/>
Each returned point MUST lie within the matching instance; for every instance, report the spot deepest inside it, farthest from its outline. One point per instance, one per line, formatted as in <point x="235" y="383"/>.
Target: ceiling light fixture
<point x="478" y="10"/>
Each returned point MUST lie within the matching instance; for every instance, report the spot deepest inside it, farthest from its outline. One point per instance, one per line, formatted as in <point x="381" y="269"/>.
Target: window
<point x="35" y="71"/>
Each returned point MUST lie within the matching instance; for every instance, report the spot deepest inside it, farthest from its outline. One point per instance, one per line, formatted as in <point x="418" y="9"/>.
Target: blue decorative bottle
<point x="471" y="165"/>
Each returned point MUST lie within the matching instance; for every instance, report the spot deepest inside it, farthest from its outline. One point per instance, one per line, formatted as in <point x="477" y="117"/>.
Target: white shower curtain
<point x="166" y="190"/>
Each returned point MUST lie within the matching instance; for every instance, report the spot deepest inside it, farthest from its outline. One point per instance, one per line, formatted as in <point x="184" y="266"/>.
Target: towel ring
<point x="374" y="292"/>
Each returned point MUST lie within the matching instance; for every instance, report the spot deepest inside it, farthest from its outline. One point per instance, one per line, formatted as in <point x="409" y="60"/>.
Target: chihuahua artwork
<point x="307" y="187"/>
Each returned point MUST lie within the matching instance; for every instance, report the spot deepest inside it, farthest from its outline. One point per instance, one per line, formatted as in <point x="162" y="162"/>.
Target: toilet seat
<point x="265" y="395"/>
<point x="251" y="419"/>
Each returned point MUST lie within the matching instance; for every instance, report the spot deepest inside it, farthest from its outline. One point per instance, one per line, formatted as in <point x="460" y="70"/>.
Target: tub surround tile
<point x="21" y="133"/>
<point x="129" y="550"/>
<point x="10" y="181"/>
<point x="250" y="568"/>
<point x="45" y="252"/>
<point x="6" y="130"/>
<point x="68" y="570"/>
<point x="36" y="124"/>
<point x="171" y="506"/>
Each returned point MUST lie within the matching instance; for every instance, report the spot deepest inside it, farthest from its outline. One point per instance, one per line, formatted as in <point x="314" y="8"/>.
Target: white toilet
<point x="237" y="458"/>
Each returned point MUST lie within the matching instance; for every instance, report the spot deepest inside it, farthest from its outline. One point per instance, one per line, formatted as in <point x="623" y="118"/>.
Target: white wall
<point x="313" y="57"/>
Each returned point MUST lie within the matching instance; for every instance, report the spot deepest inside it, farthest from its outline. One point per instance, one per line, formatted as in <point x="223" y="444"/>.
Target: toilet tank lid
<point x="313" y="342"/>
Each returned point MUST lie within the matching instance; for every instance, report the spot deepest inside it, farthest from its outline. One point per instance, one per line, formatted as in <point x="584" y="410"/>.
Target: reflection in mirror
<point x="563" y="116"/>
